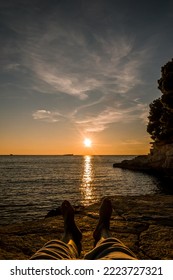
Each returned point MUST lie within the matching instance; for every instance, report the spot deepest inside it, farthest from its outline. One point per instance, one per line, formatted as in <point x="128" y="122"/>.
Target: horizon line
<point x="73" y="154"/>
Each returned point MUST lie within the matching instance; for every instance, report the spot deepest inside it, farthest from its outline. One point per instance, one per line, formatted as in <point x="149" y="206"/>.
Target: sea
<point x="31" y="186"/>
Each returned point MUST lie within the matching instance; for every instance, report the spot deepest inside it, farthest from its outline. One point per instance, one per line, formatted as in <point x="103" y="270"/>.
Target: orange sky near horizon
<point x="30" y="144"/>
<point x="25" y="136"/>
<point x="40" y="150"/>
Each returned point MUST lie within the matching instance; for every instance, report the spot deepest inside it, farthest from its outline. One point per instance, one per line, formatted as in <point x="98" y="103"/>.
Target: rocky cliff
<point x="161" y="156"/>
<point x="159" y="161"/>
<point x="160" y="127"/>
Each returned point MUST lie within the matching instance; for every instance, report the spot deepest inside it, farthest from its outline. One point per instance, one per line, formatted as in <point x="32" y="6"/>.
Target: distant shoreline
<point x="8" y="155"/>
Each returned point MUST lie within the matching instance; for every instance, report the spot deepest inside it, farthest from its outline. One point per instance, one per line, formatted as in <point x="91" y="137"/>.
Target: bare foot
<point x="71" y="231"/>
<point x="102" y="228"/>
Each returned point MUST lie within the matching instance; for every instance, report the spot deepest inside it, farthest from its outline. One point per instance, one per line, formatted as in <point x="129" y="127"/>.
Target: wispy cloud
<point x="47" y="116"/>
<point x="132" y="142"/>
<point x="111" y="115"/>
<point x="68" y="63"/>
<point x="97" y="122"/>
<point x="92" y="75"/>
<point x="12" y="66"/>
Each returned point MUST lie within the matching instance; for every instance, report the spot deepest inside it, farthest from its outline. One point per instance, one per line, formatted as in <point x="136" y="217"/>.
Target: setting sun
<point x="87" y="142"/>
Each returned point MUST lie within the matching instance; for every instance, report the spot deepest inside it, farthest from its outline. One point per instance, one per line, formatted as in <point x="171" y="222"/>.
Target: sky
<point x="76" y="69"/>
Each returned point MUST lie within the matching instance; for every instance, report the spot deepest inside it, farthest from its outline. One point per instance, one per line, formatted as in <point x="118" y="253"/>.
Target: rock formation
<point x="160" y="127"/>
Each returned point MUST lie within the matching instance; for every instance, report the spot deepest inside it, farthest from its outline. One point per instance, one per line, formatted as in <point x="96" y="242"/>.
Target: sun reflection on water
<point x="87" y="188"/>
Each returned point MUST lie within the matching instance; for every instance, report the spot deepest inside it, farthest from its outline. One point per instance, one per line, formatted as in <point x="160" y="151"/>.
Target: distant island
<point x="160" y="127"/>
<point x="68" y="155"/>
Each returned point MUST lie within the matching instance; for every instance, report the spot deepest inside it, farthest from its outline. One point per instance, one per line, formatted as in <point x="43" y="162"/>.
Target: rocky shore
<point x="158" y="162"/>
<point x="139" y="163"/>
<point x="143" y="223"/>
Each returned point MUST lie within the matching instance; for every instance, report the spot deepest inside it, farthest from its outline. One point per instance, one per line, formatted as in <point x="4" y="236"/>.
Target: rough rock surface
<point x="144" y="223"/>
<point x="137" y="163"/>
<point x="159" y="161"/>
<point x="161" y="156"/>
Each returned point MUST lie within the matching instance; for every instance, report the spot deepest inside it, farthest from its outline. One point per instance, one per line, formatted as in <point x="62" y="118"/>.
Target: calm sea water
<point x="30" y="186"/>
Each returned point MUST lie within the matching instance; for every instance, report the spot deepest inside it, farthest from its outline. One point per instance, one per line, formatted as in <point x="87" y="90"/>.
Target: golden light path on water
<point x="87" y="188"/>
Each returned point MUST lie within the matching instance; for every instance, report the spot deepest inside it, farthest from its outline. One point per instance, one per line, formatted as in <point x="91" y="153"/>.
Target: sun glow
<point x="87" y="142"/>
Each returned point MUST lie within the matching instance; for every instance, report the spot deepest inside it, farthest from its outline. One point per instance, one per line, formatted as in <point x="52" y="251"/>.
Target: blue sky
<point x="76" y="69"/>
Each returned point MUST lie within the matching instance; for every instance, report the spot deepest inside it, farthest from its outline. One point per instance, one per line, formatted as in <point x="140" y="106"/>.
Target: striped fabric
<point x="56" y="250"/>
<point x="110" y="249"/>
<point x="106" y="249"/>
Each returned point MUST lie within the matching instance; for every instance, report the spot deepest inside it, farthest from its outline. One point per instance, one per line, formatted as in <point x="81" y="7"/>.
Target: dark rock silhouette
<point x="160" y="127"/>
<point x="53" y="212"/>
<point x="57" y="212"/>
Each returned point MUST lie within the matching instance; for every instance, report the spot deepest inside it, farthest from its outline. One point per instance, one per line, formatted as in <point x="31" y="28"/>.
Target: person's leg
<point x="106" y="246"/>
<point x="72" y="235"/>
<point x="102" y="230"/>
<point x="69" y="247"/>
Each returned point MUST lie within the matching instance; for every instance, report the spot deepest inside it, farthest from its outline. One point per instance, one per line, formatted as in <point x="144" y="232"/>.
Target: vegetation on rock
<point x="160" y="125"/>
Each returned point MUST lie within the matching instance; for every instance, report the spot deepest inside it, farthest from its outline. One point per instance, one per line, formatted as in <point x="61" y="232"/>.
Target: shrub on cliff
<point x="160" y="125"/>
